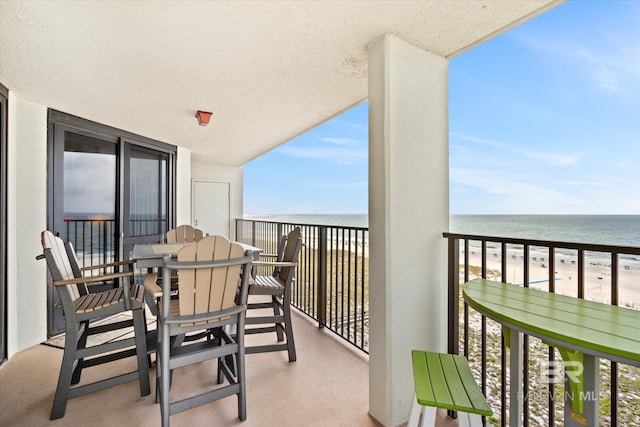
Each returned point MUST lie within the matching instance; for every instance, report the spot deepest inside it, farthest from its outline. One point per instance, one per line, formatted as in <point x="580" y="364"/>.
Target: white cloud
<point x="341" y="184"/>
<point x="609" y="58"/>
<point x="548" y="158"/>
<point x="553" y="159"/>
<point x="497" y="192"/>
<point x="334" y="155"/>
<point x="342" y="141"/>
<point x="576" y="183"/>
<point x="631" y="206"/>
<point x="358" y="126"/>
<point x="345" y="151"/>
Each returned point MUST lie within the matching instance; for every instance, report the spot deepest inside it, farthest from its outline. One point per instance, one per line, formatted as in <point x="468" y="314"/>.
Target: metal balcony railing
<point x="332" y="277"/>
<point x="332" y="287"/>
<point x="94" y="240"/>
<point x="596" y="272"/>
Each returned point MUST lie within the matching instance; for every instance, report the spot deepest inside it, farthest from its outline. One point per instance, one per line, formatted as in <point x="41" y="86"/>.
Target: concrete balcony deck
<point x="326" y="387"/>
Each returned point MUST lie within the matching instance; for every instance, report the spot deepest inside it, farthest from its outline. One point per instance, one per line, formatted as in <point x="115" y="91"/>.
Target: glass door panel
<point x="90" y="198"/>
<point x="145" y="210"/>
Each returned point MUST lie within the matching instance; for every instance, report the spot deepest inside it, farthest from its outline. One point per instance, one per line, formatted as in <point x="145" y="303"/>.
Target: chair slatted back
<point x="291" y="251"/>
<point x="184" y="234"/>
<point x="62" y="269"/>
<point x="206" y="290"/>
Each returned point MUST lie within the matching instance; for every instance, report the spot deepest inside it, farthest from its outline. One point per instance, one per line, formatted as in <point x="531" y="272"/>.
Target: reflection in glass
<point x="89" y="200"/>
<point x="147" y="194"/>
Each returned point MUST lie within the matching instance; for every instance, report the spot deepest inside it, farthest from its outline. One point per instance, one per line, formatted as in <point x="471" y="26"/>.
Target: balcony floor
<point x="326" y="386"/>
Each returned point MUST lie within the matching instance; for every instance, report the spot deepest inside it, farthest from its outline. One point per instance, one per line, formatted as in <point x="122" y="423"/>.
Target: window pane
<point x="89" y="200"/>
<point x="147" y="194"/>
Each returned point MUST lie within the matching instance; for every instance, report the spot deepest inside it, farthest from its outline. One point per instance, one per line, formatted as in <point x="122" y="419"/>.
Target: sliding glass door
<point x="146" y="188"/>
<point x="107" y="190"/>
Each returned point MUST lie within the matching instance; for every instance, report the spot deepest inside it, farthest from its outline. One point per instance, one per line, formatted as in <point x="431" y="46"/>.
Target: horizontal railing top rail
<point x="305" y="224"/>
<point x="631" y="250"/>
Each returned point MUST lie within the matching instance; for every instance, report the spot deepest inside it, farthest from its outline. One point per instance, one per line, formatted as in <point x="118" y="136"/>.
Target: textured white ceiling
<point x="268" y="70"/>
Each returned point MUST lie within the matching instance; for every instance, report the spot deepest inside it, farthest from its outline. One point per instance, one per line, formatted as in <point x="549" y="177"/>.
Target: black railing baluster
<point x="322" y="278"/>
<point x="466" y="306"/>
<point x="454" y="298"/>
<point x="614" y="365"/>
<point x="580" y="273"/>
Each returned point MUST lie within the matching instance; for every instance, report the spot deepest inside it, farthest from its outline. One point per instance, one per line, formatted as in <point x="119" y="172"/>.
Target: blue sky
<point x="544" y="119"/>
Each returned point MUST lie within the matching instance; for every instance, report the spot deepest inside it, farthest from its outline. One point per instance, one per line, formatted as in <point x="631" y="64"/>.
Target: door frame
<point x="58" y="122"/>
<point x="4" y="134"/>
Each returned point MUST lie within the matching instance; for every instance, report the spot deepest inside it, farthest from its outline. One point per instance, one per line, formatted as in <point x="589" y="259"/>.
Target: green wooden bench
<point x="445" y="381"/>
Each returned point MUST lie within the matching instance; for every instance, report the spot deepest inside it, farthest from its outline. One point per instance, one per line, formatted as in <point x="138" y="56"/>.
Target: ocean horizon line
<point x="607" y="229"/>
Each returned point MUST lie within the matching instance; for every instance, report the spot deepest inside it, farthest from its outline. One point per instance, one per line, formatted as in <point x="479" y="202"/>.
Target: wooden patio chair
<point x="212" y="297"/>
<point x="181" y="234"/>
<point x="80" y="310"/>
<point x="278" y="286"/>
<point x="184" y="234"/>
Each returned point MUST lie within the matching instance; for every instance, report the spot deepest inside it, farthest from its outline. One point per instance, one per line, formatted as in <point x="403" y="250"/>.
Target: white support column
<point x="408" y="211"/>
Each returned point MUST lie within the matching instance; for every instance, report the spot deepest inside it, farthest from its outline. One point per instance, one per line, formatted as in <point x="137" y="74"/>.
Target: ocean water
<point x="618" y="230"/>
<point x="347" y="220"/>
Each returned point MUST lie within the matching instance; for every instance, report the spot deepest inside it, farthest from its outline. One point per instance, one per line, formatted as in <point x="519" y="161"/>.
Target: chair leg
<point x="175" y="342"/>
<point x="469" y="420"/>
<point x="276" y="313"/>
<point x="165" y="355"/>
<point x="139" y="330"/>
<point x="82" y="343"/>
<point x="66" y="373"/>
<point x="414" y="415"/>
<point x="240" y="376"/>
<point x="158" y="371"/>
<point x="223" y="361"/>
<point x="291" y="345"/>
<point x="428" y="415"/>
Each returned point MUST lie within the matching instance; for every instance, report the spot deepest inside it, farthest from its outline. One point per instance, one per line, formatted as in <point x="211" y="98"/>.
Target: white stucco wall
<point x="408" y="211"/>
<point x="26" y="218"/>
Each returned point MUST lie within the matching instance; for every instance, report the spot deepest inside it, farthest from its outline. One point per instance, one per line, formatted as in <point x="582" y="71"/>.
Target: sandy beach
<point x="597" y="274"/>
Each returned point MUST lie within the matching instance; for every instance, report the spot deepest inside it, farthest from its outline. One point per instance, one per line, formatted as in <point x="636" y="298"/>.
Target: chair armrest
<point x="93" y="279"/>
<point x="274" y="263"/>
<point x="111" y="264"/>
<point x="151" y="286"/>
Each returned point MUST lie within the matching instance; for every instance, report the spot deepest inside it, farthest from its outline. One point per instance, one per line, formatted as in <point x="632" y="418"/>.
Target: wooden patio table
<point x="582" y="330"/>
<point x="152" y="255"/>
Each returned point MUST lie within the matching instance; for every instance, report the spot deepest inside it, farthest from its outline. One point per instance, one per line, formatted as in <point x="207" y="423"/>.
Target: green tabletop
<point x="589" y="327"/>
